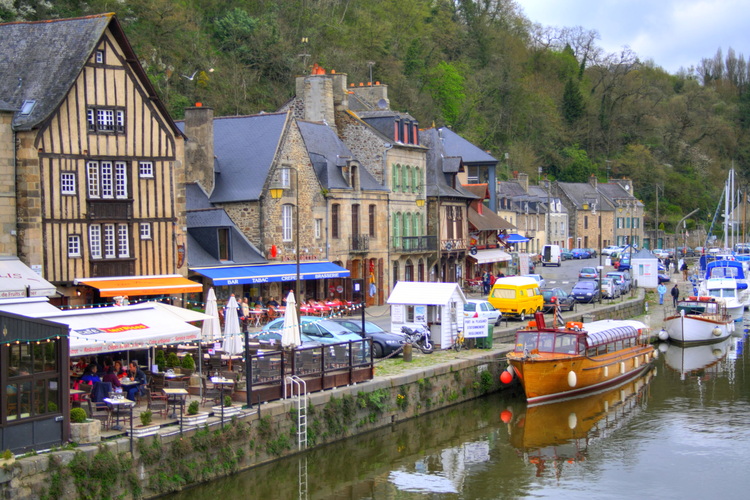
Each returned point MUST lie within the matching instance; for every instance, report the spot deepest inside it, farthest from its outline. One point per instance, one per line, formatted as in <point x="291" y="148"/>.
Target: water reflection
<point x="700" y="360"/>
<point x="553" y="434"/>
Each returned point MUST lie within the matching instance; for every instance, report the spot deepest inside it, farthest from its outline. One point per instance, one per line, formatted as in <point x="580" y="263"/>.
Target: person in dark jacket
<point x="90" y="375"/>
<point x="109" y="374"/>
<point x="137" y="375"/>
<point x="675" y="294"/>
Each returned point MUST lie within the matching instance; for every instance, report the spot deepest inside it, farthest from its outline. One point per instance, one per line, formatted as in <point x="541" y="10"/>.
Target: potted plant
<point x="82" y="429"/>
<point x="194" y="415"/>
<point x="173" y="361"/>
<point x="188" y="364"/>
<point x="146" y="428"/>
<point x="160" y="360"/>
<point x="226" y="407"/>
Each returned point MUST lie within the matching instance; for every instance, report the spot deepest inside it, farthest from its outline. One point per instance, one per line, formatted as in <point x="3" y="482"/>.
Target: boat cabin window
<point x="547" y="342"/>
<point x="566" y="344"/>
<point x="526" y="341"/>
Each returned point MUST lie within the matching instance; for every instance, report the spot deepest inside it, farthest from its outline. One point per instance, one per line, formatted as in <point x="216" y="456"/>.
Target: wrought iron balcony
<point x="415" y="244"/>
<point x="110" y="209"/>
<point x="360" y="243"/>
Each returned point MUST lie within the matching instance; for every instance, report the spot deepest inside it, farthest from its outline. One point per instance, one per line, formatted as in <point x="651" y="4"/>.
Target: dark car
<point x="383" y="343"/>
<point x="592" y="252"/>
<point x="566" y="254"/>
<point x="554" y="296"/>
<point x="663" y="277"/>
<point x="586" y="291"/>
<point x="581" y="253"/>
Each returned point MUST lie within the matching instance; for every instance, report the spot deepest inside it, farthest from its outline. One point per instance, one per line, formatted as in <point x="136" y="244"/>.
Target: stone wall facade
<point x="8" y="222"/>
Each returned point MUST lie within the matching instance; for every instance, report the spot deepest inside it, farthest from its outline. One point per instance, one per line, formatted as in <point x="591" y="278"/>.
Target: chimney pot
<point x="377" y="83"/>
<point x="198" y="104"/>
<point x="361" y="84"/>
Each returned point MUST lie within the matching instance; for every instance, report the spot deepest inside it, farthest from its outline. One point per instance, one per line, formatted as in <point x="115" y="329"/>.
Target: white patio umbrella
<point x="290" y="336"/>
<point x="211" y="329"/>
<point x="232" y="330"/>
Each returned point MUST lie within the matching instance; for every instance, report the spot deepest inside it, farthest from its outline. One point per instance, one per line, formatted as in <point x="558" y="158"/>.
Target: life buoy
<point x="706" y="299"/>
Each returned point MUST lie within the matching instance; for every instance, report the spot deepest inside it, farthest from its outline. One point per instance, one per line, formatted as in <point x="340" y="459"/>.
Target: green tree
<point x="573" y="106"/>
<point x="446" y="84"/>
<point x="577" y="165"/>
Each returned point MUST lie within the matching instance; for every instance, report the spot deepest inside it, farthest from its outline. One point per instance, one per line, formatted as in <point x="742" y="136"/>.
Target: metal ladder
<point x="299" y="394"/>
<point x="302" y="478"/>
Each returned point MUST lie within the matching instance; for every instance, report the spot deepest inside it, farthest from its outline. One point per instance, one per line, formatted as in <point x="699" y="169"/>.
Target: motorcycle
<point x="418" y="337"/>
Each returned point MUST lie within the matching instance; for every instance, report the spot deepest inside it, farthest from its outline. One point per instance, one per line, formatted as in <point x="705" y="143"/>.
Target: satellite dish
<point x="383" y="104"/>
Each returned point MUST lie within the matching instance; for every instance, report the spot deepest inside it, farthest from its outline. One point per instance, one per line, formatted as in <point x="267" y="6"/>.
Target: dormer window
<point x="99" y="57"/>
<point x="105" y="120"/>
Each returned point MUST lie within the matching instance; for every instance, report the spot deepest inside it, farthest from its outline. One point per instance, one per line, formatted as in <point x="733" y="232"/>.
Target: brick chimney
<point x="523" y="180"/>
<point x="593" y="181"/>
<point x="199" y="147"/>
<point x="320" y="93"/>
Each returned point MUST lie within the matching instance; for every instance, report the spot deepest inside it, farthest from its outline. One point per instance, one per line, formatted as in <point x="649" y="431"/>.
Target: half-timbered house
<point x="99" y="188"/>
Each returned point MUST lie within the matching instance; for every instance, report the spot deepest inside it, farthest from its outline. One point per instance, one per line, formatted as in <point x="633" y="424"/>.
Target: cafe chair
<point x="209" y="393"/>
<point x="157" y="402"/>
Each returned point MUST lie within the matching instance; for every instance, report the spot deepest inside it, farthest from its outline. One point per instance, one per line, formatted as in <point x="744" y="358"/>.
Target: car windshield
<point x="585" y="285"/>
<point x="333" y="327"/>
<point x="470" y="306"/>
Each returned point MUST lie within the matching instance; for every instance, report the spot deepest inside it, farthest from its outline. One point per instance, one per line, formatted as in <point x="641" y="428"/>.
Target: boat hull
<point x="547" y="377"/>
<point x="697" y="329"/>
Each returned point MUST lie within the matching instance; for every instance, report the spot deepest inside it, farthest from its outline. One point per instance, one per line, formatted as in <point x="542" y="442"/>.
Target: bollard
<point x="407" y="353"/>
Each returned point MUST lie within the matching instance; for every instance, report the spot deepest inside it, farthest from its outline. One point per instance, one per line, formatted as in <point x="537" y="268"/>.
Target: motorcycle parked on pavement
<point x="419" y="337"/>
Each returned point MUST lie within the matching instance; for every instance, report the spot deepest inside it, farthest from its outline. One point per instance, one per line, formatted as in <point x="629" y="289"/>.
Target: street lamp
<point x="277" y="191"/>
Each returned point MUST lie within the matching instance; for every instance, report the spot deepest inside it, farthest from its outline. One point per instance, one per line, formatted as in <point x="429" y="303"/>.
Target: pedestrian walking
<point x="486" y="282"/>
<point x="675" y="294"/>
<point x="684" y="269"/>
<point x="661" y="290"/>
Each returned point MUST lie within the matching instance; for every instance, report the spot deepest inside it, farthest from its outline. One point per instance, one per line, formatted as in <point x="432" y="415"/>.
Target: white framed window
<point x="95" y="241"/>
<point x="74" y="245"/>
<point x="146" y="169"/>
<point x="145" y="230"/>
<point x="99" y="57"/>
<point x="121" y="180"/>
<point x="109" y="241"/>
<point x="286" y="222"/>
<point x="106" y="179"/>
<point x="286" y="177"/>
<point x="107" y="120"/>
<point x="68" y="183"/>
<point x="123" y="242"/>
<point x="318" y="228"/>
<point x="93" y="179"/>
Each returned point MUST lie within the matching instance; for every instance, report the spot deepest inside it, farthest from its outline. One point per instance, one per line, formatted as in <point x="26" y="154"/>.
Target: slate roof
<point x="41" y="60"/>
<point x="488" y="220"/>
<point x="583" y="192"/>
<point x="203" y="220"/>
<point x="329" y="154"/>
<point x="438" y="164"/>
<point x="245" y="148"/>
<point x="481" y="191"/>
<point x="455" y="145"/>
<point x="614" y="191"/>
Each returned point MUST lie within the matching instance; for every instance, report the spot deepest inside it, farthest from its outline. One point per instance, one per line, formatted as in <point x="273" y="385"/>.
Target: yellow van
<point x="516" y="296"/>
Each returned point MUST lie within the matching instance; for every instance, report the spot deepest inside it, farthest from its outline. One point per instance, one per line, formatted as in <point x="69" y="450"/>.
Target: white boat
<point x="699" y="320"/>
<point x="729" y="268"/>
<point x="725" y="288"/>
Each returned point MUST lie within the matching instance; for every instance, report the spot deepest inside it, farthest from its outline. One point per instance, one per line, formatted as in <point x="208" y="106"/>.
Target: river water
<point x="680" y="431"/>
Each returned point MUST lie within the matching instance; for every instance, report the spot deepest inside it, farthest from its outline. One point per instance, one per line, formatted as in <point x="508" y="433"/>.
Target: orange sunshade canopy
<point x="142" y="285"/>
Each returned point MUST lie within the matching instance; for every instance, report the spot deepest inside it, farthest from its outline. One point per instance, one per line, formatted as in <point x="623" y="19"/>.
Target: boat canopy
<point x="725" y="269"/>
<point x="611" y="335"/>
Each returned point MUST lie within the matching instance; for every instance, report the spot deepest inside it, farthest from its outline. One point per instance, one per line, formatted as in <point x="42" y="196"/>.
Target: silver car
<point x="482" y="309"/>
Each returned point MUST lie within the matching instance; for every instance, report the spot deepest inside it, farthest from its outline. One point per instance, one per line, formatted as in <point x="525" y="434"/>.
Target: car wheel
<point x="377" y="351"/>
<point x="522" y="316"/>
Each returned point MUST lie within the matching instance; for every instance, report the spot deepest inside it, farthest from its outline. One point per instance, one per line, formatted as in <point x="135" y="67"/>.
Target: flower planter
<point x="197" y="419"/>
<point x="229" y="411"/>
<point x="86" y="432"/>
<point x="140" y="431"/>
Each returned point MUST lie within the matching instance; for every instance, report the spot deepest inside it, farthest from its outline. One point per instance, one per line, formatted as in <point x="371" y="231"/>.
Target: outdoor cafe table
<point x="175" y="397"/>
<point x="118" y="407"/>
<point x="221" y="382"/>
<point x="76" y="403"/>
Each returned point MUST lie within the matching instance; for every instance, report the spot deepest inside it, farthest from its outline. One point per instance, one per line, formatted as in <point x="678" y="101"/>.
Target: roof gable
<point x="455" y="145"/>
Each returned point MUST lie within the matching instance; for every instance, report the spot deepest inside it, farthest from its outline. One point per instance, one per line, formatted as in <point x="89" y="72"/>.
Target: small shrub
<point x="7" y="454"/>
<point x="160" y="360"/>
<point x="146" y="417"/>
<point x="193" y="408"/>
<point x="77" y="415"/>
<point x="188" y="363"/>
<point x="227" y="401"/>
<point x="172" y="360"/>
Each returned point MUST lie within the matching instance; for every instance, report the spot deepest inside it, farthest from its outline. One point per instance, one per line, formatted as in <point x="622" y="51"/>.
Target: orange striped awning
<point x="141" y="285"/>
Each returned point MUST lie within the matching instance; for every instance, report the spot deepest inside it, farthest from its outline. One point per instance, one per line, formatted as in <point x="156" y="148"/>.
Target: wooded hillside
<point x="549" y="98"/>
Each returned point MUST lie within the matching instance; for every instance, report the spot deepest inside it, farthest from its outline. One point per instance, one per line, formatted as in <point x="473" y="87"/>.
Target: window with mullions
<point x="33" y="385"/>
<point x="106" y="180"/>
<point x="286" y="222"/>
<point x="105" y="120"/>
<point x="68" y="183"/>
<point x="74" y="245"/>
<point x="109" y="241"/>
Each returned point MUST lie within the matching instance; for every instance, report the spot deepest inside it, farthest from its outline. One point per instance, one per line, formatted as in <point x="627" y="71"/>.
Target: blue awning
<point x="513" y="238"/>
<point x="268" y="273"/>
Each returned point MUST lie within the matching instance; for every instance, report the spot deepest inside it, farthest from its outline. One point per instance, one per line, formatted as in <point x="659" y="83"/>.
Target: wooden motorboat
<point x="554" y="363"/>
<point x="699" y="320"/>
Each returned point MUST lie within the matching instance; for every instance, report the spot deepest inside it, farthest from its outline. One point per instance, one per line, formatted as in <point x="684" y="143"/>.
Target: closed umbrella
<point x="232" y="331"/>
<point x="290" y="336"/>
<point x="211" y="329"/>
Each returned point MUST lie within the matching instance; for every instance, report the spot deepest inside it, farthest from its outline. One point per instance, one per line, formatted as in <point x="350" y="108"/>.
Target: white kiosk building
<point x="644" y="269"/>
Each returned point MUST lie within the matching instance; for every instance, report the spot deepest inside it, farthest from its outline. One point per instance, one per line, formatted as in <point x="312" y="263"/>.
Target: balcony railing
<point x="360" y="243"/>
<point x="453" y="245"/>
<point x="110" y="209"/>
<point x="415" y="244"/>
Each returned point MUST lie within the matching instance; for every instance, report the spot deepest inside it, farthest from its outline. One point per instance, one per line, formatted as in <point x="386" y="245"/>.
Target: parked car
<point x="383" y="343"/>
<point x="663" y="277"/>
<point x="610" y="289"/>
<point x="538" y="278"/>
<point x="624" y="263"/>
<point x="586" y="291"/>
<point x="624" y="276"/>
<point x="619" y="283"/>
<point x="516" y="296"/>
<point x="662" y="254"/>
<point x="566" y="254"/>
<point x="581" y="253"/>
<point x="610" y="249"/>
<point x="588" y="273"/>
<point x="313" y="330"/>
<point x="592" y="252"/>
<point x="482" y="309"/>
<point x="554" y="296"/>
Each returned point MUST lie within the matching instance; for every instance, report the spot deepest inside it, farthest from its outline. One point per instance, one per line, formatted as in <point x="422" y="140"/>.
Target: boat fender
<point x="506" y="416"/>
<point x="506" y="377"/>
<point x="716" y="331"/>
<point x="572" y="378"/>
<point x="663" y="335"/>
<point x="692" y="297"/>
<point x="606" y="371"/>
<point x="572" y="421"/>
<point x="655" y="353"/>
<point x="636" y="362"/>
<point x="622" y="366"/>
<point x="511" y="370"/>
<point x="706" y="299"/>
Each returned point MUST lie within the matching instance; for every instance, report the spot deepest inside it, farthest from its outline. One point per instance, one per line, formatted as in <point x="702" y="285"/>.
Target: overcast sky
<point x="672" y="33"/>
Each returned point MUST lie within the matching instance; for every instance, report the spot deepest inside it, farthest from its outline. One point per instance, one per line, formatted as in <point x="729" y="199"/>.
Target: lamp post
<point x="277" y="192"/>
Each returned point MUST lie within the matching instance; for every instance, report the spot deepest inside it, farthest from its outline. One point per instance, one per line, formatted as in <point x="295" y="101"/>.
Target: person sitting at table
<point x="109" y="374"/>
<point x="90" y="375"/>
<point x="272" y="302"/>
<point x="80" y="366"/>
<point x="119" y="370"/>
<point x="137" y="375"/>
